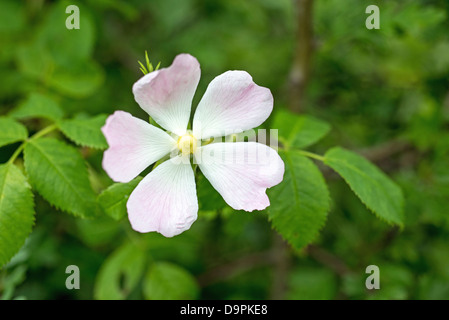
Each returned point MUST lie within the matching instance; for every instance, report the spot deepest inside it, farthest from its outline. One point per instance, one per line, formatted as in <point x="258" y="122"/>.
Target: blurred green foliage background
<point x="385" y="93"/>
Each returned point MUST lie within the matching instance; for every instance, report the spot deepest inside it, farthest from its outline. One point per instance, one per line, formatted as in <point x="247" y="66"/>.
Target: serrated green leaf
<point x="11" y="131"/>
<point x="113" y="199"/>
<point x="299" y="131"/>
<point x="16" y="211"/>
<point x="85" y="132"/>
<point x="58" y="172"/>
<point x="300" y="203"/>
<point x="374" y="188"/>
<point x="38" y="105"/>
<point x="127" y="263"/>
<point x="167" y="281"/>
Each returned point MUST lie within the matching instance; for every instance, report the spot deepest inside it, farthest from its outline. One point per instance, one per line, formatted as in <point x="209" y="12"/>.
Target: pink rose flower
<point x="165" y="200"/>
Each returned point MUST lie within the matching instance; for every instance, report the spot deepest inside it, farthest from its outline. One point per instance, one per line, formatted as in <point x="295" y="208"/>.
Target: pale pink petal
<point x="166" y="94"/>
<point x="133" y="145"/>
<point x="241" y="172"/>
<point x="232" y="103"/>
<point x="165" y="200"/>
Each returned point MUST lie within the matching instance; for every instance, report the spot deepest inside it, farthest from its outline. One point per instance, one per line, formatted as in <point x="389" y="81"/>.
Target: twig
<point x="281" y="268"/>
<point x="328" y="259"/>
<point x="385" y="150"/>
<point x="299" y="73"/>
<point x="236" y="267"/>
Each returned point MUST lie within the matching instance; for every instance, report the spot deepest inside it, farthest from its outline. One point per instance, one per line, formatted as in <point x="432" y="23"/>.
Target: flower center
<point x="187" y="144"/>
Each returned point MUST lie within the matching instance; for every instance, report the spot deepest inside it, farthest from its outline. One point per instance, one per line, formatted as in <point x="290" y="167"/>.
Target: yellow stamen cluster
<point x="187" y="144"/>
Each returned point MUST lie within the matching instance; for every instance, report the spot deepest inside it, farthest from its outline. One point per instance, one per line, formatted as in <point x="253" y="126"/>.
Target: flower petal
<point x="166" y="94"/>
<point x="165" y="200"/>
<point x="133" y="145"/>
<point x="241" y="172"/>
<point x="232" y="103"/>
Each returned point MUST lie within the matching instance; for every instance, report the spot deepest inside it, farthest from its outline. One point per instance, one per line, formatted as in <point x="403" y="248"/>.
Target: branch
<point x="299" y="73"/>
<point x="328" y="259"/>
<point x="281" y="268"/>
<point x="236" y="267"/>
<point x="385" y="150"/>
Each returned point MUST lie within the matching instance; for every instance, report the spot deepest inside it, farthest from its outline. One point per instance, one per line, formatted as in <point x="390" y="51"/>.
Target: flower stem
<point x="311" y="155"/>
<point x="38" y="134"/>
<point x="43" y="132"/>
<point x="16" y="153"/>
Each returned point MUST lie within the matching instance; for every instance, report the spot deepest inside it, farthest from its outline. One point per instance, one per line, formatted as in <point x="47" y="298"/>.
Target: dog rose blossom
<point x="165" y="200"/>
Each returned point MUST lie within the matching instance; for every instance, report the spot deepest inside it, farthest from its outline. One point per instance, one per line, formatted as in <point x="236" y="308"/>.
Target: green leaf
<point x="299" y="131"/>
<point x="38" y="105"/>
<point x="374" y="188"/>
<point x="300" y="203"/>
<point x="60" y="58"/>
<point x="16" y="211"/>
<point x="58" y="172"/>
<point x="98" y="232"/>
<point x="120" y="273"/>
<point x="66" y="45"/>
<point x="113" y="199"/>
<point x="78" y="79"/>
<point x="85" y="132"/>
<point x="167" y="281"/>
<point x="11" y="131"/>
